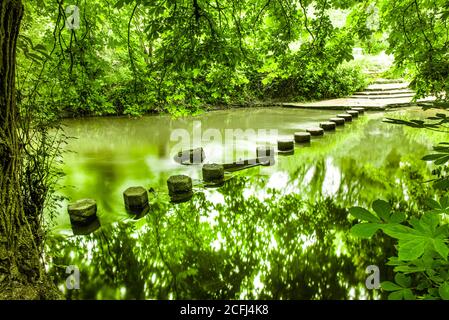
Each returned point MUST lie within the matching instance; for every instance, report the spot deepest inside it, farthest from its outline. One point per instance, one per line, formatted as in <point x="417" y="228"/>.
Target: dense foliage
<point x="131" y="57"/>
<point x="418" y="37"/>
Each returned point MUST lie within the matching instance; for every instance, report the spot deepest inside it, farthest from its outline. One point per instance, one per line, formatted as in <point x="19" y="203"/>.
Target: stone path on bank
<point x="382" y="94"/>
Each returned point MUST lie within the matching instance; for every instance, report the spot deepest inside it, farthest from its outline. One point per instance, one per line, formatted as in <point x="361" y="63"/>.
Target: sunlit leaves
<point x="422" y="248"/>
<point x="400" y="290"/>
<point x="382" y="214"/>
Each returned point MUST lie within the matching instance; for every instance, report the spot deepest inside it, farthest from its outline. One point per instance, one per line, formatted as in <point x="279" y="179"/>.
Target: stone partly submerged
<point x="286" y="147"/>
<point x="83" y="216"/>
<point x="192" y="156"/>
<point x="353" y="113"/>
<point x="359" y="110"/>
<point x="302" y="137"/>
<point x="315" y="132"/>
<point x="180" y="188"/>
<point x="136" y="201"/>
<point x="246" y="164"/>
<point x="213" y="174"/>
<point x="338" y="121"/>
<point x="346" y="116"/>
<point x="328" y="126"/>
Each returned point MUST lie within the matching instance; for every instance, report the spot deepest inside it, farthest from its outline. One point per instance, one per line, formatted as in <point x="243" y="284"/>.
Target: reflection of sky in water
<point x="283" y="227"/>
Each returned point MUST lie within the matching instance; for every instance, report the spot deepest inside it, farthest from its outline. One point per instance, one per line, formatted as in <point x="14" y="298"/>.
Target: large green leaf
<point x="444" y="291"/>
<point x="441" y="247"/>
<point x="382" y="208"/>
<point x="390" y="286"/>
<point x="411" y="249"/>
<point x="403" y="280"/>
<point x="363" y="214"/>
<point x="365" y="230"/>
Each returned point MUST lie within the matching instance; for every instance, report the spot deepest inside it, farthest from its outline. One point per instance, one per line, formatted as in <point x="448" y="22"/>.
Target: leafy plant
<point x="421" y="264"/>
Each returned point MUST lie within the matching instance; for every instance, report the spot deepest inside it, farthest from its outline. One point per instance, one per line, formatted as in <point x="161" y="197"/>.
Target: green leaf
<point x="403" y="280"/>
<point x="363" y="214"/>
<point x="382" y="208"/>
<point x="441" y="247"/>
<point x="398" y="217"/>
<point x="365" y="230"/>
<point x="408" y="294"/>
<point x="442" y="160"/>
<point x="444" y="291"/>
<point x="435" y="156"/>
<point x="433" y="204"/>
<point x="409" y="269"/>
<point x="397" y="295"/>
<point x="412" y="249"/>
<point x="390" y="286"/>
<point x="398" y="231"/>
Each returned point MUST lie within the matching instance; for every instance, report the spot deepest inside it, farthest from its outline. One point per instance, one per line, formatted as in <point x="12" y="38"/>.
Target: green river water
<point x="277" y="232"/>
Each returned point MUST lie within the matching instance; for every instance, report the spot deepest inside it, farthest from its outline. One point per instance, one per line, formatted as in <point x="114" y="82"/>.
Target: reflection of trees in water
<point x="296" y="249"/>
<point x="291" y="246"/>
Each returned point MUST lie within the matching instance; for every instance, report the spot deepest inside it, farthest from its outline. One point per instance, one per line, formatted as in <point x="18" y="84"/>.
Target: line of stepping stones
<point x="83" y="213"/>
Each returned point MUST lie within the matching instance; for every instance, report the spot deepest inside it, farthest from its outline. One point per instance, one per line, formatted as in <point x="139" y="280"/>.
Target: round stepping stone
<point x="181" y="197"/>
<point x="346" y="116"/>
<point x="136" y="200"/>
<point x="360" y="110"/>
<point x="315" y="131"/>
<point x="192" y="156"/>
<point x="86" y="229"/>
<point x="265" y="151"/>
<point x="286" y="145"/>
<point x="354" y="114"/>
<point x="328" y="126"/>
<point x="179" y="184"/>
<point x="213" y="172"/>
<point x="302" y="137"/>
<point x="82" y="212"/>
<point x="338" y="121"/>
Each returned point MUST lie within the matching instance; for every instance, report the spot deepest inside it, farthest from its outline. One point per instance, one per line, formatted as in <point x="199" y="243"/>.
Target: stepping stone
<point x="179" y="184"/>
<point x="360" y="110"/>
<point x="82" y="212"/>
<point x="192" y="156"/>
<point x="213" y="173"/>
<point x="286" y="145"/>
<point x="136" y="200"/>
<point x="301" y="137"/>
<point x="338" y="121"/>
<point x="328" y="126"/>
<point x="353" y="113"/>
<point x="346" y="116"/>
<point x="180" y="188"/>
<point x="315" y="131"/>
<point x="83" y="216"/>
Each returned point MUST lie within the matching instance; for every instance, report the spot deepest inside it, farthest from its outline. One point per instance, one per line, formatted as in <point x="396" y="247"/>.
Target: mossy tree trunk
<point x="21" y="271"/>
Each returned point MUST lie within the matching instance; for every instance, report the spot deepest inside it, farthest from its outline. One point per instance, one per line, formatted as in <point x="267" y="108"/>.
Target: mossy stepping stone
<point x="338" y="121"/>
<point x="301" y="137"/>
<point x="328" y="126"/>
<point x="315" y="131"/>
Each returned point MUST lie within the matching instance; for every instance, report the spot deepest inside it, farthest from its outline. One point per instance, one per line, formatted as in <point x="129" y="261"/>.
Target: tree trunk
<point x="21" y="271"/>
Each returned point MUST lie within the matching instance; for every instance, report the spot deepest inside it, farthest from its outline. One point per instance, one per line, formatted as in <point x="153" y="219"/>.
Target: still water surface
<point x="278" y="232"/>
